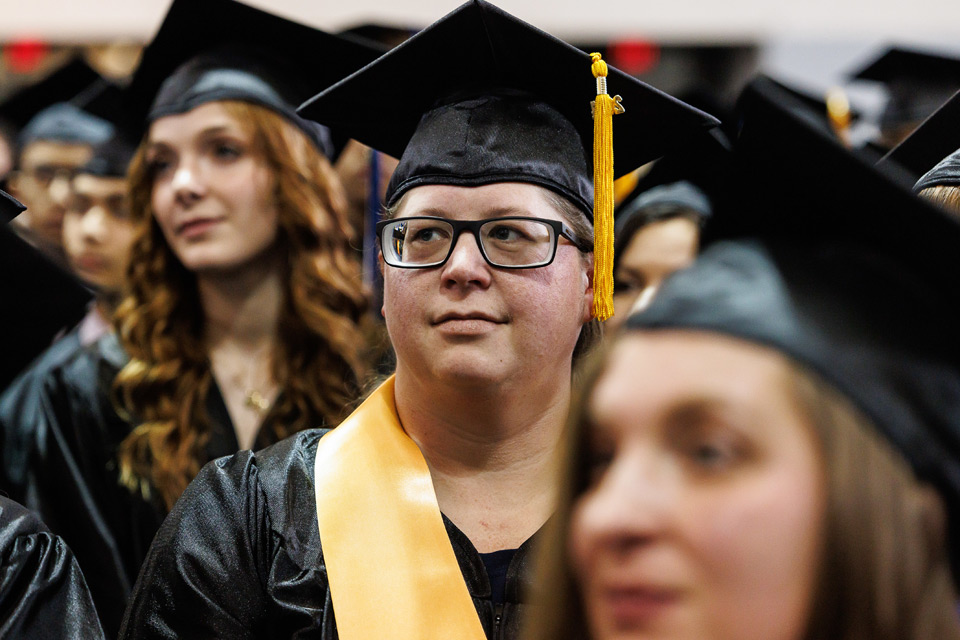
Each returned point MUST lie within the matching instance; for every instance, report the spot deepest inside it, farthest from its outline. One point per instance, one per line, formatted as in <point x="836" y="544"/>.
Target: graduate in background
<point x="917" y="82"/>
<point x="98" y="235"/>
<point x="57" y="139"/>
<point x="240" y="321"/>
<point x="414" y="518"/>
<point x="42" y="300"/>
<point x="658" y="225"/>
<point x="42" y="591"/>
<point x="930" y="157"/>
<point x="772" y="448"/>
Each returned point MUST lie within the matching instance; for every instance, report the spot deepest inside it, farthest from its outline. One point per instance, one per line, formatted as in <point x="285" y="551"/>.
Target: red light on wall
<point x="24" y="56"/>
<point x="633" y="56"/>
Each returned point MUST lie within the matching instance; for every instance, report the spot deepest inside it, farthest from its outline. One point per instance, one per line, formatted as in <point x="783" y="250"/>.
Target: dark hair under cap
<point x="852" y="276"/>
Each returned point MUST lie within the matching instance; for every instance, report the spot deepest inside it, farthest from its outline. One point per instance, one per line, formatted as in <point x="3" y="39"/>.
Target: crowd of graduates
<point x="468" y="334"/>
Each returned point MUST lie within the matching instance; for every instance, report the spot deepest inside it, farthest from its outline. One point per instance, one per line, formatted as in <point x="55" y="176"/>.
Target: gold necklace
<point x="256" y="401"/>
<point x="253" y="398"/>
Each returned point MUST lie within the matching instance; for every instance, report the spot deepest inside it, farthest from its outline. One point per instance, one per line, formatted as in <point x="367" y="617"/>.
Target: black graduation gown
<point x="72" y="477"/>
<point x="42" y="592"/>
<point x="19" y="411"/>
<point x="40" y="300"/>
<point x="240" y="557"/>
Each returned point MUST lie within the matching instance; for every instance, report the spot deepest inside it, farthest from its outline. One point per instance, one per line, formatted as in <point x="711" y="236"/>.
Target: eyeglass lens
<point x="505" y="242"/>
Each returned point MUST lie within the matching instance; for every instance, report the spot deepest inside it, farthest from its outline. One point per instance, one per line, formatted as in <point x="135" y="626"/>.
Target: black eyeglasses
<point x="512" y="242"/>
<point x="45" y="175"/>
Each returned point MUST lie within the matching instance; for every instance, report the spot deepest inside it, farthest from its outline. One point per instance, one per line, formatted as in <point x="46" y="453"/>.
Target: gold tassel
<point x="604" y="108"/>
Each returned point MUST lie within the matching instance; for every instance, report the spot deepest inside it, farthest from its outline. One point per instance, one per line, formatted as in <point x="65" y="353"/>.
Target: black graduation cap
<point x="111" y="157"/>
<point x="935" y="139"/>
<point x="40" y="298"/>
<point x="917" y="82"/>
<point x="945" y="174"/>
<point x="480" y="97"/>
<point x="827" y="259"/>
<point x="704" y="161"/>
<point x="208" y="50"/>
<point x="10" y="207"/>
<point x="62" y="85"/>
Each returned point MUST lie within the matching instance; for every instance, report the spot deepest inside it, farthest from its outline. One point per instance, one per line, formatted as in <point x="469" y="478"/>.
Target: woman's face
<point x="212" y="192"/>
<point x="466" y="322"/>
<point x="655" y="251"/>
<point x="704" y="515"/>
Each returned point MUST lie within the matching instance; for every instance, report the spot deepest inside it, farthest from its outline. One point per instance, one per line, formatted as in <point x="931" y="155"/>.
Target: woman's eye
<point x="714" y="453"/>
<point x="427" y="235"/>
<point x="159" y="166"/>
<point x="598" y="461"/>
<point x="225" y="151"/>
<point x="504" y="233"/>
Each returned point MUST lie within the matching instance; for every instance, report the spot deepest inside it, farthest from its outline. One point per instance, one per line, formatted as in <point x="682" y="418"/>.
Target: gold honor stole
<point x="390" y="565"/>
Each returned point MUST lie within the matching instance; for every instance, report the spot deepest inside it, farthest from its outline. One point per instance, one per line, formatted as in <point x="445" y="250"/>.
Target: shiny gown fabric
<point x="240" y="557"/>
<point x="71" y="475"/>
<point x="42" y="592"/>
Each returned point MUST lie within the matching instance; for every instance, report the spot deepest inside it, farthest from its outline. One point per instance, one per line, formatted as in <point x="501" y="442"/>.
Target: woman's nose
<point x="187" y="183"/>
<point x="466" y="263"/>
<point x="632" y="503"/>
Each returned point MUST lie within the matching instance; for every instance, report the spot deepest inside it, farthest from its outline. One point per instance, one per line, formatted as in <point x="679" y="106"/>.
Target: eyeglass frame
<point x="56" y="173"/>
<point x="560" y="229"/>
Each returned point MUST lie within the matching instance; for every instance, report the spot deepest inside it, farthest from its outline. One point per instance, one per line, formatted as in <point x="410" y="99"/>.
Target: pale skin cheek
<point x="759" y="554"/>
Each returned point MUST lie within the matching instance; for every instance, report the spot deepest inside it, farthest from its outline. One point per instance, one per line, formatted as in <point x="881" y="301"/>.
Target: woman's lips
<point x="90" y="262"/>
<point x="467" y="323"/>
<point x="630" y="606"/>
<point x="196" y="227"/>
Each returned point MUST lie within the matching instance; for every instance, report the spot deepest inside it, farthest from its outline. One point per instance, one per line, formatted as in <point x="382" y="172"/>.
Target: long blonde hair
<point x="885" y="573"/>
<point x="319" y="357"/>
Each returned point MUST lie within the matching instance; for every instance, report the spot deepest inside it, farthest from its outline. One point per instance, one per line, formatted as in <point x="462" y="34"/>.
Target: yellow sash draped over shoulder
<point x="390" y="565"/>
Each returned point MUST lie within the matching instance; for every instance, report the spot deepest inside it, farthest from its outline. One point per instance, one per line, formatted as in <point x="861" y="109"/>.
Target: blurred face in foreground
<point x="706" y="502"/>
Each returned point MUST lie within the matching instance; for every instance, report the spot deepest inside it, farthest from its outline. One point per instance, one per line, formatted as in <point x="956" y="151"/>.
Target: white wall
<point x="664" y="20"/>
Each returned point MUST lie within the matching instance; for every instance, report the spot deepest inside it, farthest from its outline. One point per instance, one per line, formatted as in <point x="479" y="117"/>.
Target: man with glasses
<point x="53" y="145"/>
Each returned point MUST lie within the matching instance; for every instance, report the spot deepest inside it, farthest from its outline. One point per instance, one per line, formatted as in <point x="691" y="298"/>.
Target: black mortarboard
<point x="917" y="82"/>
<point x="704" y="161"/>
<point x="826" y="259"/>
<point x="946" y="173"/>
<point x="62" y="85"/>
<point x="480" y="96"/>
<point x="10" y="207"/>
<point x="64" y="122"/>
<point x="930" y="144"/>
<point x="209" y="50"/>
<point x="39" y="299"/>
<point x="52" y="109"/>
<point x="111" y="157"/>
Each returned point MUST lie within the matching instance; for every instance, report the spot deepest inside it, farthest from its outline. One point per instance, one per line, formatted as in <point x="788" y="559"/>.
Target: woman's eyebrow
<point x="496" y="212"/>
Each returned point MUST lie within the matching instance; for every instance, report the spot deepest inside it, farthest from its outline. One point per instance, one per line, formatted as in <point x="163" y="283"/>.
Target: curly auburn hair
<point x="318" y="360"/>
